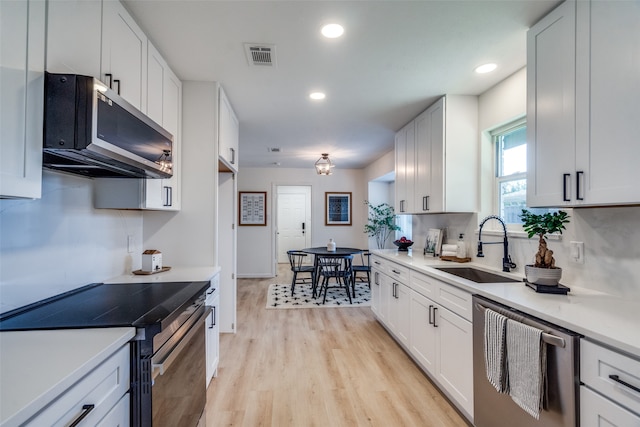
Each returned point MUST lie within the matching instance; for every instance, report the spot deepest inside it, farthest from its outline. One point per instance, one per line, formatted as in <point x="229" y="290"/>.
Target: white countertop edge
<point x="114" y="339"/>
<point x="176" y="274"/>
<point x="598" y="316"/>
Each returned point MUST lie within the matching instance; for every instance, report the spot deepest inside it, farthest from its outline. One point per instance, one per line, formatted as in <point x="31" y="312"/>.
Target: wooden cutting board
<point x="145" y="273"/>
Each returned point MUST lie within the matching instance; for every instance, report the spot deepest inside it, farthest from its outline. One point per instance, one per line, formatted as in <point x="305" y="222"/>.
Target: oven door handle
<point x="163" y="360"/>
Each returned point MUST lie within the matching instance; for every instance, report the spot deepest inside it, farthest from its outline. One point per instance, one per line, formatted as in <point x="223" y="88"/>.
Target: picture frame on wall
<point x="337" y="208"/>
<point x="252" y="208"/>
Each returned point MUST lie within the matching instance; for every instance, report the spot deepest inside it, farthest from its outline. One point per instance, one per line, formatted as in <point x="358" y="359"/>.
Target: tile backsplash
<point x="612" y="256"/>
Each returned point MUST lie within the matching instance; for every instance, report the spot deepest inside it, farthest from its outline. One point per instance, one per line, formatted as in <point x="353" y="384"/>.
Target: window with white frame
<point x="510" y="144"/>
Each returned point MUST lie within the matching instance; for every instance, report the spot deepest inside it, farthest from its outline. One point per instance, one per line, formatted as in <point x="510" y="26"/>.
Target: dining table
<point x="324" y="251"/>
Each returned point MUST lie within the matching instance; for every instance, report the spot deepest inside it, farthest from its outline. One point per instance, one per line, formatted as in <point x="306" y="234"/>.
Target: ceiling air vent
<point x="260" y="55"/>
<point x="273" y="149"/>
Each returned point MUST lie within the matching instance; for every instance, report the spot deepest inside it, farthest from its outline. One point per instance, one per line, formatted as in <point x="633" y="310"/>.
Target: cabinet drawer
<point x="455" y="299"/>
<point x="379" y="264"/>
<point x="103" y="387"/>
<point x="597" y="411"/>
<point x="423" y="284"/>
<point x="598" y="364"/>
<point x="398" y="272"/>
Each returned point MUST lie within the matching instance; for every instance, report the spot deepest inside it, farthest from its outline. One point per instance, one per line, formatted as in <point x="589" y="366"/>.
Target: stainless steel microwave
<point x="90" y="130"/>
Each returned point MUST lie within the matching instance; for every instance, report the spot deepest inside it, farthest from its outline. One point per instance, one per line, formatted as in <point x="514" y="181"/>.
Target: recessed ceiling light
<point x="486" y="68"/>
<point x="332" y="31"/>
<point x="317" y="95"/>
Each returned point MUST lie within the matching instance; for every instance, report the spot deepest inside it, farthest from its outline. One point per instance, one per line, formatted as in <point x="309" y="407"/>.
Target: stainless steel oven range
<point x="168" y="353"/>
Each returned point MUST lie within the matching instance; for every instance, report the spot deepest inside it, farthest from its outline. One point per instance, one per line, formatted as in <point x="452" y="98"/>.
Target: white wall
<point x="188" y="238"/>
<point x="612" y="257"/>
<point x="256" y="244"/>
<point x="60" y="242"/>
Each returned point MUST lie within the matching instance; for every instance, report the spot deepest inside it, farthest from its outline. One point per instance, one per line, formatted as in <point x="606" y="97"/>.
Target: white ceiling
<point x="394" y="60"/>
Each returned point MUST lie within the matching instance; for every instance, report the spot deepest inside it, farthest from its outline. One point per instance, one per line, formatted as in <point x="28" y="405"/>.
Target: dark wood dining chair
<point x="364" y="268"/>
<point x="338" y="269"/>
<point x="296" y="260"/>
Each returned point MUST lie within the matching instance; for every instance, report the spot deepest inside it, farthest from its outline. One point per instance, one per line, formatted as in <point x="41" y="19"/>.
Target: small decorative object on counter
<point x="461" y="251"/>
<point x="151" y="260"/>
<point x="331" y="246"/>
<point x="544" y="271"/>
<point x="403" y="243"/>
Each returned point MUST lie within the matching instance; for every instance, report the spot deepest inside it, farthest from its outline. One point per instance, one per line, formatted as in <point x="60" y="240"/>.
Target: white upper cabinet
<point x="74" y="33"/>
<point x="124" y="54"/>
<point x="405" y="163"/>
<point x="228" y="134"/>
<point x="164" y="104"/>
<point x="582" y="92"/>
<point x="438" y="164"/>
<point x="21" y="97"/>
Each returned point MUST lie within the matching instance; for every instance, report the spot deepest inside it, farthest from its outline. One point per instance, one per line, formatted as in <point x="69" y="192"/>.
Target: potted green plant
<point x="544" y="271"/>
<point x="381" y="223"/>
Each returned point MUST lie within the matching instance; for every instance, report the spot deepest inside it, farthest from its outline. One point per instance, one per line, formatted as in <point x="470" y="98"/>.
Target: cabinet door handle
<point x="110" y="77"/>
<point x="233" y="156"/>
<point x="376" y="279"/>
<point x="434" y="317"/>
<point x="401" y="205"/>
<point x="117" y="81"/>
<point x="85" y="411"/>
<point x="579" y="178"/>
<point x="168" y="196"/>
<point x="564" y="187"/>
<point x="395" y="271"/>
<point x="425" y="203"/>
<point x="431" y="314"/>
<point x="617" y="379"/>
<point x="213" y="318"/>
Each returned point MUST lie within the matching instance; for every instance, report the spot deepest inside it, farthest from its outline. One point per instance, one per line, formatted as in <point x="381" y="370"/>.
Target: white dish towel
<point x="495" y="326"/>
<point x="526" y="362"/>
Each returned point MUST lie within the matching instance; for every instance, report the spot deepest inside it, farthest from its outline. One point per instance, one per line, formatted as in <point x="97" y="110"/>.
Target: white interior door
<point x="293" y="219"/>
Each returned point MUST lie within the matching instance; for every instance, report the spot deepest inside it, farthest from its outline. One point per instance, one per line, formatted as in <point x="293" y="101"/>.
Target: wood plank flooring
<point x="317" y="367"/>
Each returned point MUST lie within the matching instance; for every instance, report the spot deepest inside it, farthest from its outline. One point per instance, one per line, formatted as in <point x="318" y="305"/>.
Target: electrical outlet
<point x="130" y="243"/>
<point x="577" y="252"/>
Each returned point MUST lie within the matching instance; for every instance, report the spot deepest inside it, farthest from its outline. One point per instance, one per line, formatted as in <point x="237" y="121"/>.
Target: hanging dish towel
<point x="495" y="360"/>
<point x="527" y="362"/>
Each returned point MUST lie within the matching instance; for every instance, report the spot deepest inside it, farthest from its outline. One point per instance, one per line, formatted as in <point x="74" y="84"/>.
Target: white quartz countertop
<point x="180" y="274"/>
<point x="601" y="317"/>
<point x="36" y="366"/>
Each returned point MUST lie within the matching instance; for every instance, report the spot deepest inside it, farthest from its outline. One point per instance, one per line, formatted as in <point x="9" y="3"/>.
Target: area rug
<point x="279" y="296"/>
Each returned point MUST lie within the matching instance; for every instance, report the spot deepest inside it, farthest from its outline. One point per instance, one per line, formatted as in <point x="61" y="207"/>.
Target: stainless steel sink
<point x="475" y="275"/>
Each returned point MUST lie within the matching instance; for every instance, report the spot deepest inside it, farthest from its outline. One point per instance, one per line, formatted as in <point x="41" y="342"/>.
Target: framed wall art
<point x="434" y="242"/>
<point x="337" y="208"/>
<point x="252" y="208"/>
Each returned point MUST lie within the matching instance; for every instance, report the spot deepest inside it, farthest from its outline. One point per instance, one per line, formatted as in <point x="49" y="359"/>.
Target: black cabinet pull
<point x="85" y="411"/>
<point x="431" y="321"/>
<point x="425" y="203"/>
<point x="376" y="279"/>
<point x="213" y="317"/>
<point x="434" y="317"/>
<point x="579" y="177"/>
<point x="564" y="187"/>
<point x="117" y="81"/>
<point x="168" y="196"/>
<point x="110" y="77"/>
<point x="617" y="379"/>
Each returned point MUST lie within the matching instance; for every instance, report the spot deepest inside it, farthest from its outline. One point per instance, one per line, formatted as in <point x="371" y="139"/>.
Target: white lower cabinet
<point x="212" y="327"/>
<point x="432" y="320"/>
<point x="610" y="390"/>
<point x="99" y="396"/>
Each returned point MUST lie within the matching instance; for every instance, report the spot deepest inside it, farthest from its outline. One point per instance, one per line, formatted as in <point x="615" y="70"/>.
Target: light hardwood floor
<point x="317" y="367"/>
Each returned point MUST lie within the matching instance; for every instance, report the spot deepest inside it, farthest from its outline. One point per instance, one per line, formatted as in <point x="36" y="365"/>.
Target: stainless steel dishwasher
<point x="493" y="409"/>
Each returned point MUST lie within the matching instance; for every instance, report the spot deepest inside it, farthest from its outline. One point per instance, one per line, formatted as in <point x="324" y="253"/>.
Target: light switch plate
<point x="577" y="252"/>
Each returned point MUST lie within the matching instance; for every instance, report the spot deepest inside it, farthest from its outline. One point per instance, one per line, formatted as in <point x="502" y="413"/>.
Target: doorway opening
<point x="293" y="219"/>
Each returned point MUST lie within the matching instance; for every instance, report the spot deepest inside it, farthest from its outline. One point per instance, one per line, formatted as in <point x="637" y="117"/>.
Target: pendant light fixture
<point x="324" y="165"/>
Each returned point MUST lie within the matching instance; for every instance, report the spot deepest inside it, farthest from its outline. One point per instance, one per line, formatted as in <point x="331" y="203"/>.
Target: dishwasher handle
<point x="546" y="337"/>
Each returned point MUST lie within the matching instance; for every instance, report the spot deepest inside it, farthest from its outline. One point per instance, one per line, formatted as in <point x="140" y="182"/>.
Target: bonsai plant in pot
<point x="381" y="223"/>
<point x="544" y="271"/>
